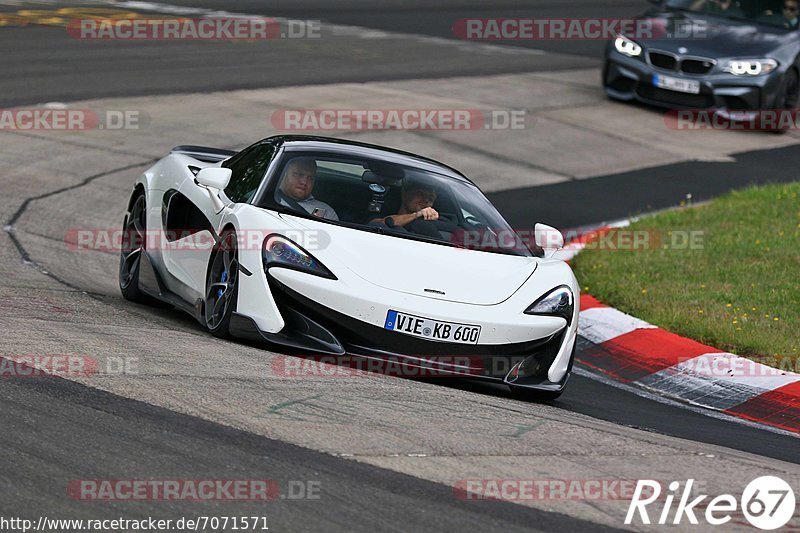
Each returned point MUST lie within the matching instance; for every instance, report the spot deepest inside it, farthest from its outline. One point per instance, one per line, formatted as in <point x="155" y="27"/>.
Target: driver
<point x="416" y="201"/>
<point x="296" y="187"/>
<point x="790" y="9"/>
<point x="724" y="7"/>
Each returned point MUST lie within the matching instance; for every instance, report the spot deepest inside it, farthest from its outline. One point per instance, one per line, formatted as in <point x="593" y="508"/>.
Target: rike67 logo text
<point x="768" y="503"/>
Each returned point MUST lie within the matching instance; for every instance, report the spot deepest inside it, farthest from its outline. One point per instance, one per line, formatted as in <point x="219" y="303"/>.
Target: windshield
<point x="779" y="13"/>
<point x="395" y="200"/>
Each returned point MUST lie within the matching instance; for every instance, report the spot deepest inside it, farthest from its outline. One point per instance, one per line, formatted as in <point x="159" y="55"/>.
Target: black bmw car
<point x="721" y="54"/>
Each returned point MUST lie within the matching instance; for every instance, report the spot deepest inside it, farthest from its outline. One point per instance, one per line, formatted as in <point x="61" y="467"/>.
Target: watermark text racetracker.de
<point x="579" y="29"/>
<point x="113" y="239"/>
<point x="416" y="366"/>
<point x="230" y="28"/>
<point x="738" y="120"/>
<point x="65" y="365"/>
<point x="724" y="365"/>
<point x="545" y="489"/>
<point x="198" y="490"/>
<point x="613" y="239"/>
<point x="61" y="118"/>
<point x="398" y="119"/>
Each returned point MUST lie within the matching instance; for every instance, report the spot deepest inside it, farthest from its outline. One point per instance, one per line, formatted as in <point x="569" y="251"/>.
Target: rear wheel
<point x="133" y="245"/>
<point x="222" y="285"/>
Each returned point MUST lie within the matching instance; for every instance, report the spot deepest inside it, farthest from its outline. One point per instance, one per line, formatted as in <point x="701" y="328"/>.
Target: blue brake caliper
<point x="222" y="279"/>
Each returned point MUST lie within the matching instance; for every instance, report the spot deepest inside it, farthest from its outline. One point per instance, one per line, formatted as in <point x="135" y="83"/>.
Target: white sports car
<point x="348" y="249"/>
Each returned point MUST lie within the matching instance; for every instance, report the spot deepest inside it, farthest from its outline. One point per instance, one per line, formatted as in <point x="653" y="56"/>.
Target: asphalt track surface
<point x="104" y="428"/>
<point x="58" y="67"/>
<point x="112" y="432"/>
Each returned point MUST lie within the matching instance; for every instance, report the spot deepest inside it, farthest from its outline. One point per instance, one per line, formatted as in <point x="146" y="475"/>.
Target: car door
<point x="193" y="217"/>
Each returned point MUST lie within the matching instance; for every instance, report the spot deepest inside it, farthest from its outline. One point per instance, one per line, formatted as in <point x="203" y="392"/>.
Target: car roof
<point x="348" y="147"/>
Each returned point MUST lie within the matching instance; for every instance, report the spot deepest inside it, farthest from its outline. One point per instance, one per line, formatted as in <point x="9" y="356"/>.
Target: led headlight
<point x="558" y="302"/>
<point x="750" y="67"/>
<point x="278" y="251"/>
<point x="627" y="47"/>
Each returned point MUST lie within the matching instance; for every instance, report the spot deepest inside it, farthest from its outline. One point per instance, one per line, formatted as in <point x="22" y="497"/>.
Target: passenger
<point x="790" y="9"/>
<point x="727" y="8"/>
<point x="297" y="185"/>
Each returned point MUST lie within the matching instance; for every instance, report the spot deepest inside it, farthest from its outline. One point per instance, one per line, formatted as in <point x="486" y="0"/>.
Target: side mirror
<point x="548" y="239"/>
<point x="214" y="178"/>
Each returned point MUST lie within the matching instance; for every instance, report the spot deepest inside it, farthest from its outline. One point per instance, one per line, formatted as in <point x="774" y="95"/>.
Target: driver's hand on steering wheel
<point x="428" y="213"/>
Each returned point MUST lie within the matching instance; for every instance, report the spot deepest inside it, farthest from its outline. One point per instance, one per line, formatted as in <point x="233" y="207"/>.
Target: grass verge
<point x="726" y="273"/>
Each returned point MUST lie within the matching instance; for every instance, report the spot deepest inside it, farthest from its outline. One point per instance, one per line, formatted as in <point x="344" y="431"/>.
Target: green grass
<point x="738" y="291"/>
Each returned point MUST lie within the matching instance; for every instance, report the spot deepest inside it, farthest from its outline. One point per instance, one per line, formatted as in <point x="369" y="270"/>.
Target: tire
<point x="791" y="94"/>
<point x="222" y="285"/>
<point x="791" y="90"/>
<point x="134" y="231"/>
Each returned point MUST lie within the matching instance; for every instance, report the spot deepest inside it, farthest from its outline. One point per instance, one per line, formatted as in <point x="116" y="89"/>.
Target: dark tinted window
<point x="248" y="167"/>
<point x="763" y="11"/>
<point x="360" y="192"/>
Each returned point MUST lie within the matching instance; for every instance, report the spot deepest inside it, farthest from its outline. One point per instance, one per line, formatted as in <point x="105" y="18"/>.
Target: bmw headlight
<point x="627" y="47"/>
<point x="558" y="302"/>
<point x="750" y="67"/>
<point x="278" y="251"/>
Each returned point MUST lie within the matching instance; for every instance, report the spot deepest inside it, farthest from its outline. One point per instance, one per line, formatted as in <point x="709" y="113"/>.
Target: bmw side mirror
<point x="214" y="178"/>
<point x="548" y="239"/>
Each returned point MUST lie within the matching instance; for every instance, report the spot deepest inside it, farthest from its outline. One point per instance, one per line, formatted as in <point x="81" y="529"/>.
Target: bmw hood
<point x="420" y="268"/>
<point x="711" y="36"/>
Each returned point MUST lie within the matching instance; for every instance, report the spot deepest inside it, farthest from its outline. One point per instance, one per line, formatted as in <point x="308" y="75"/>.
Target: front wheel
<point x="790" y="93"/>
<point x="791" y="90"/>
<point x="222" y="285"/>
<point x="134" y="232"/>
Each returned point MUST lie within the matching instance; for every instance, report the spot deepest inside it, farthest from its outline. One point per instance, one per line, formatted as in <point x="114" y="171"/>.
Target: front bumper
<point x="626" y="78"/>
<point x="312" y="327"/>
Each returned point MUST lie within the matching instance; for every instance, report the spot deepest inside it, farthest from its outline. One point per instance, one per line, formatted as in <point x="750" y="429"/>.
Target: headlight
<point x="558" y="302"/>
<point x="627" y="47"/>
<point x="750" y="67"/>
<point x="279" y="251"/>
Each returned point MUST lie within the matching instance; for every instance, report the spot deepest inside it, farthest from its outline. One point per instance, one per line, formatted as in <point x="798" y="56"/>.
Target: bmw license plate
<point x="676" y="84"/>
<point x="434" y="330"/>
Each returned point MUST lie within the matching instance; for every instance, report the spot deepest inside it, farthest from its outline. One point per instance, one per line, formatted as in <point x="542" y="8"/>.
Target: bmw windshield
<point x="778" y="13"/>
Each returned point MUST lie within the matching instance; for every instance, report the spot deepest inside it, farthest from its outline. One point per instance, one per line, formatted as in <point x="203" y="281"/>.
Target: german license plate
<point x="676" y="84"/>
<point x="434" y="330"/>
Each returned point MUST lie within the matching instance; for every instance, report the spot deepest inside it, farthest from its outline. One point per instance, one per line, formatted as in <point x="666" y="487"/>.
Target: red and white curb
<point x="632" y="351"/>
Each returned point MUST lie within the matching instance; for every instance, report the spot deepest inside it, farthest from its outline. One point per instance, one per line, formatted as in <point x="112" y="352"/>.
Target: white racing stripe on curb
<point x="704" y="391"/>
<point x="657" y="396"/>
<point x="601" y="324"/>
<point x="727" y="366"/>
<point x="718" y="380"/>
